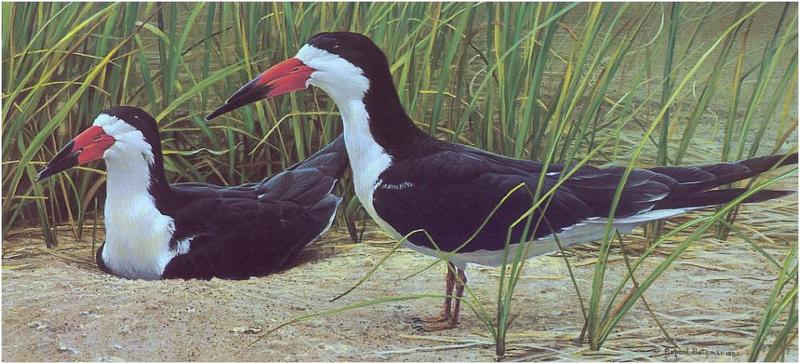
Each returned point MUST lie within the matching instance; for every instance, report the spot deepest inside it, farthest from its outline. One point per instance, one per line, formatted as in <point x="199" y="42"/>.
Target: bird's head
<point x="118" y="133"/>
<point x="341" y="63"/>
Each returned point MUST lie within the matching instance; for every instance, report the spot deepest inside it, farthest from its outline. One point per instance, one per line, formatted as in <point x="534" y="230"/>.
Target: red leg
<point x="450" y="281"/>
<point x="461" y="282"/>
<point x="449" y="316"/>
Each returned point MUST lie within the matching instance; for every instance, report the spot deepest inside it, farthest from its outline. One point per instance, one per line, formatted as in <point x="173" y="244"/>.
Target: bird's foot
<point x="435" y="323"/>
<point x="436" y="318"/>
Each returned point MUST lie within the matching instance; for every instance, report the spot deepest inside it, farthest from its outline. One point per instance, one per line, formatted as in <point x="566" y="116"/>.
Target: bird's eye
<point x="97" y="138"/>
<point x="296" y="69"/>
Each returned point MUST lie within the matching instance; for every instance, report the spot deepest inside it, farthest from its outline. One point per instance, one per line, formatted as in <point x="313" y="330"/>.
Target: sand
<point x="57" y="306"/>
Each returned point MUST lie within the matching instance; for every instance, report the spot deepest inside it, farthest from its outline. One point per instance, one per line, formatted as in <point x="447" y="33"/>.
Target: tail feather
<point x="717" y="197"/>
<point x="695" y="179"/>
<point x="310" y="180"/>
<point x="694" y="187"/>
<point x="331" y="160"/>
<point x="304" y="186"/>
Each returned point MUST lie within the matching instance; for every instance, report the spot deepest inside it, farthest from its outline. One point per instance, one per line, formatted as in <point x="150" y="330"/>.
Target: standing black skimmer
<point x="157" y="230"/>
<point x="407" y="180"/>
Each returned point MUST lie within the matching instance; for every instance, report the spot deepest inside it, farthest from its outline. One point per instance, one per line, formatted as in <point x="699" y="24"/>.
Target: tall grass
<point x="630" y="84"/>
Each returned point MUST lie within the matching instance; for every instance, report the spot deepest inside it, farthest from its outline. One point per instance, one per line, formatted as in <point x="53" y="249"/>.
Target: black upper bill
<point x="246" y="94"/>
<point x="65" y="159"/>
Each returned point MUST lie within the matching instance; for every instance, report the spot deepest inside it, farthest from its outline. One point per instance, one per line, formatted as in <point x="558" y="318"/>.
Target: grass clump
<point x="639" y="84"/>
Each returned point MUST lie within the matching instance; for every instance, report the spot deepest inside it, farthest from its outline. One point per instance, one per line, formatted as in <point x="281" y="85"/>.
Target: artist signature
<point x="695" y="351"/>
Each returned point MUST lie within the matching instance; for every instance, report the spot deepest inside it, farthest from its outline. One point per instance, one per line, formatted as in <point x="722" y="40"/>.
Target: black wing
<point x="450" y="193"/>
<point x="257" y="228"/>
<point x="240" y="238"/>
<point x="330" y="161"/>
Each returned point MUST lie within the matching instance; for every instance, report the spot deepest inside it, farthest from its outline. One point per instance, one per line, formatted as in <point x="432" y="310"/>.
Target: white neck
<point x="127" y="175"/>
<point x="367" y="158"/>
<point x="137" y="234"/>
<point x="346" y="85"/>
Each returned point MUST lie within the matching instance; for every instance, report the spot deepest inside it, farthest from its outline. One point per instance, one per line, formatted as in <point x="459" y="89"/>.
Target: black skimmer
<point x="407" y="180"/>
<point x="157" y="230"/>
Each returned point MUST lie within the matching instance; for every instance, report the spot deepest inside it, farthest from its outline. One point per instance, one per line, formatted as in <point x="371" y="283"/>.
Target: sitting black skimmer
<point x="407" y="180"/>
<point x="157" y="230"/>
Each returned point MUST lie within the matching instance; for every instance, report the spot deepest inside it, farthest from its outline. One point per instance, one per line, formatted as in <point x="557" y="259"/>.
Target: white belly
<point x="580" y="233"/>
<point x="586" y="231"/>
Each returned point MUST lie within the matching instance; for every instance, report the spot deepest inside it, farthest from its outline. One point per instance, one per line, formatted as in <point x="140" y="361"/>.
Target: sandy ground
<point x="57" y="306"/>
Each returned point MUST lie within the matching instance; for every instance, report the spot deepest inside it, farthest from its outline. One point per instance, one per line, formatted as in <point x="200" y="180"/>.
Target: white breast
<point x="137" y="234"/>
<point x="137" y="238"/>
